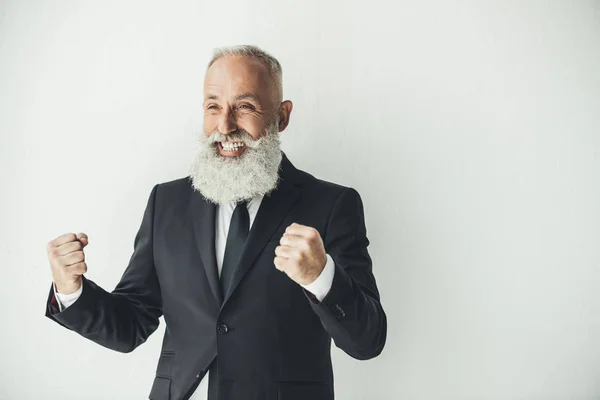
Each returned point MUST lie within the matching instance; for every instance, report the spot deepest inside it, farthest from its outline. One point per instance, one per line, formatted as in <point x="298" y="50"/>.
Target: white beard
<point x="231" y="179"/>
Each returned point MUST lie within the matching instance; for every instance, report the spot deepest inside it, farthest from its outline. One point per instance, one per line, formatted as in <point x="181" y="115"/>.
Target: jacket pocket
<point x="161" y="389"/>
<point x="304" y="391"/>
<point x="163" y="369"/>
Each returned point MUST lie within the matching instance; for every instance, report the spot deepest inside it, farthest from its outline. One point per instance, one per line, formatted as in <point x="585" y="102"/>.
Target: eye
<point x="212" y="107"/>
<point x="246" y="107"/>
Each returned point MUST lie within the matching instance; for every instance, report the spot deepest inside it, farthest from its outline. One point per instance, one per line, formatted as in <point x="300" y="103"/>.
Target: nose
<point x="227" y="123"/>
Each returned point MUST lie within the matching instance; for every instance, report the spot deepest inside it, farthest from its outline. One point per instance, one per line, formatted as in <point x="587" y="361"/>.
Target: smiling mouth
<point x="231" y="149"/>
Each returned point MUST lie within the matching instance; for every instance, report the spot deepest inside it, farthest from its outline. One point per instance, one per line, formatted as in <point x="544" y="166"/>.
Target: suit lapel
<point x="271" y="212"/>
<point x="203" y="217"/>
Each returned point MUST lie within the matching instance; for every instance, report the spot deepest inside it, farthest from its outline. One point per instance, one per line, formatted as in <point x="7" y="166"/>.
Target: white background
<point x="471" y="130"/>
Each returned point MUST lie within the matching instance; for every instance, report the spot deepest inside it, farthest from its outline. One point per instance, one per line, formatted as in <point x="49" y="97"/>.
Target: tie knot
<point x="242" y="203"/>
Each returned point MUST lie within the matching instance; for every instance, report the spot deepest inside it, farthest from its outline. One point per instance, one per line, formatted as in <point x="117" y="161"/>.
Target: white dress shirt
<point x="319" y="287"/>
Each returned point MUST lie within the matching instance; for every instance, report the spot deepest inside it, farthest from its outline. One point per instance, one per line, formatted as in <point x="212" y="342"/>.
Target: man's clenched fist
<point x="301" y="254"/>
<point x="67" y="261"/>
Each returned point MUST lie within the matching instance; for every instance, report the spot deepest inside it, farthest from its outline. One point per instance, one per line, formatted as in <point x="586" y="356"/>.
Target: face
<point x="239" y="154"/>
<point x="241" y="96"/>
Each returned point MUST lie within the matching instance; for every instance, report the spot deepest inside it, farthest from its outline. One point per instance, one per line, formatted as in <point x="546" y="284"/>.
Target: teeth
<point x="231" y="146"/>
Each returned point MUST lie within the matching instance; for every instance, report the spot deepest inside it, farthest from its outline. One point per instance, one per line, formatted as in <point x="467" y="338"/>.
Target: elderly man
<point x="254" y="264"/>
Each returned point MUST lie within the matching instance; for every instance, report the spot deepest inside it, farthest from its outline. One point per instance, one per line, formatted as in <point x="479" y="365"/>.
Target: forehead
<point x="232" y="75"/>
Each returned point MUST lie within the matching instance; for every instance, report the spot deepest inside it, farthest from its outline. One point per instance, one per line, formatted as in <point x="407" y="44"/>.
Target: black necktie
<point x="236" y="238"/>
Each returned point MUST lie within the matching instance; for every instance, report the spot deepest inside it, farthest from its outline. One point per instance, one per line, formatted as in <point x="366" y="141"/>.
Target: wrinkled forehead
<point x="232" y="76"/>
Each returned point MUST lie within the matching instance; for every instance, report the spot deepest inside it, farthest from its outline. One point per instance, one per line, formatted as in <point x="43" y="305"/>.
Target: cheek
<point x="254" y="126"/>
<point x="210" y="124"/>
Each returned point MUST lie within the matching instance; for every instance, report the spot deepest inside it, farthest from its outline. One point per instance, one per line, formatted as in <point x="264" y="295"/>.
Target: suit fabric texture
<point x="273" y="339"/>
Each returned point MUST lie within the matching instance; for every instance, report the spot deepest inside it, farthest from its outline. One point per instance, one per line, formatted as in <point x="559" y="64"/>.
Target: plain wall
<point x="471" y="130"/>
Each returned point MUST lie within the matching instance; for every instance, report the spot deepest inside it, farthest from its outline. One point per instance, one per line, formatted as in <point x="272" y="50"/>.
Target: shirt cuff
<point x="65" y="300"/>
<point x="321" y="286"/>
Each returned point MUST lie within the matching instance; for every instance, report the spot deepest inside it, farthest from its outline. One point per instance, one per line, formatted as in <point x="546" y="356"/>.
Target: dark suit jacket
<point x="272" y="337"/>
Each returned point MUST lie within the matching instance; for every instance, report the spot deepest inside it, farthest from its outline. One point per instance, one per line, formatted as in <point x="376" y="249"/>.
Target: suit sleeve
<point x="124" y="318"/>
<point x="351" y="312"/>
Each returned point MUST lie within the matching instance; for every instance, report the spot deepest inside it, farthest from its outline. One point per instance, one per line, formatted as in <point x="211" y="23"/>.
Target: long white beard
<point x="231" y="179"/>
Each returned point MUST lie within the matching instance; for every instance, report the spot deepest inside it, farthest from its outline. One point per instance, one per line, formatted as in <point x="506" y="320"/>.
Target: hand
<point x="67" y="261"/>
<point x="301" y="254"/>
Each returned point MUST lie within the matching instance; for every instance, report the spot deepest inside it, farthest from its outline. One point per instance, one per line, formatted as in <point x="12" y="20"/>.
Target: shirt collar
<point x="252" y="203"/>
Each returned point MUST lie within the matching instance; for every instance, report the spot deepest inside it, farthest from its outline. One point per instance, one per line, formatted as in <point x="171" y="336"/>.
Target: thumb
<point x="83" y="238"/>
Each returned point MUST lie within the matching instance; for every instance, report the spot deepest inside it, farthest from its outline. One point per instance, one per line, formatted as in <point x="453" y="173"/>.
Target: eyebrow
<point x="243" y="96"/>
<point x="247" y="96"/>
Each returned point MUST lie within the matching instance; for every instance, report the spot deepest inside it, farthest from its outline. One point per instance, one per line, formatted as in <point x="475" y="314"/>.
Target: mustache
<point x="237" y="136"/>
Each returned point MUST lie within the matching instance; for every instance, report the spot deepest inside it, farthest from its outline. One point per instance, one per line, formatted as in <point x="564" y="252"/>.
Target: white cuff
<point x="65" y="300"/>
<point x="321" y="286"/>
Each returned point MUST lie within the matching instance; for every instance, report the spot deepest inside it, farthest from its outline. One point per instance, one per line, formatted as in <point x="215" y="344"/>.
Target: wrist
<point x="67" y="287"/>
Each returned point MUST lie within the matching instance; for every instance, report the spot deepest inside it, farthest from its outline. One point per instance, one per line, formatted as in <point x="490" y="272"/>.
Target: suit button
<point x="222" y="329"/>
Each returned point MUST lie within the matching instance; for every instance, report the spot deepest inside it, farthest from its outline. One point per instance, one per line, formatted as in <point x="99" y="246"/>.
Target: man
<point x="254" y="264"/>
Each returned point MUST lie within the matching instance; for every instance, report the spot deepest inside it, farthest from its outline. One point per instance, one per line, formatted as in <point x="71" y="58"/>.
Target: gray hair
<point x="255" y="52"/>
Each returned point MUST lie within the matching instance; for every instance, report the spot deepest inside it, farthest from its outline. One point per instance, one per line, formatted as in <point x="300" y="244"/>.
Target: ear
<point x="285" y="109"/>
